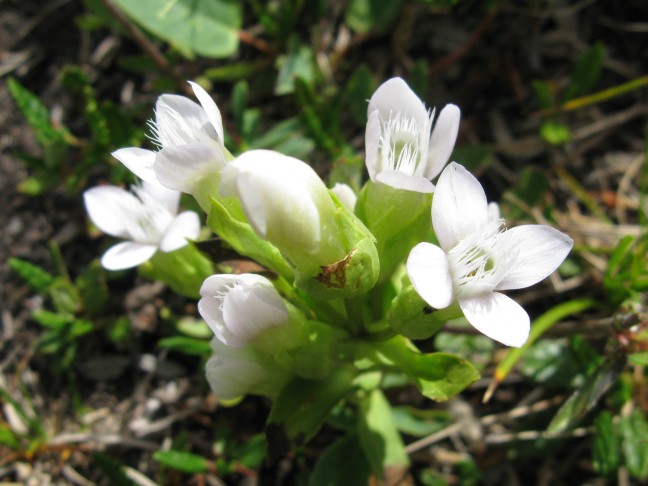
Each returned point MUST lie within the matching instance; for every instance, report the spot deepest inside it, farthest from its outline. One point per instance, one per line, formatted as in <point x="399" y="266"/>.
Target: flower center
<point x="481" y="260"/>
<point x="400" y="144"/>
<point x="152" y="220"/>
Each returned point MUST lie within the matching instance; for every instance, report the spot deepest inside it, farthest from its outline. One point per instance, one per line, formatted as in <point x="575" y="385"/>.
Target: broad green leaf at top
<point x="204" y="27"/>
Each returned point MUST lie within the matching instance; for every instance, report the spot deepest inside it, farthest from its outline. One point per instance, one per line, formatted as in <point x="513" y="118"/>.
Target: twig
<point x="536" y="434"/>
<point x="147" y="46"/>
<point x="137" y="477"/>
<point x="516" y="412"/>
<point x="108" y="439"/>
<point x="624" y="184"/>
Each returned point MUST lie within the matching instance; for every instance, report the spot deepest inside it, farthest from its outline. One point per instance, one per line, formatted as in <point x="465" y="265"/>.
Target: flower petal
<point x="393" y="96"/>
<point x="211" y="109"/>
<point x="178" y="120"/>
<point x="493" y="211"/>
<point x="428" y="270"/>
<point x="497" y="316"/>
<point x="139" y="161"/>
<point x="372" y="145"/>
<point x="541" y="250"/>
<point x="401" y="180"/>
<point x="111" y="209"/>
<point x="459" y="206"/>
<point x="168" y="198"/>
<point x="248" y="311"/>
<point x="180" y="167"/>
<point x="345" y="194"/>
<point x="281" y="196"/>
<point x="127" y="254"/>
<point x="185" y="226"/>
<point x="442" y="140"/>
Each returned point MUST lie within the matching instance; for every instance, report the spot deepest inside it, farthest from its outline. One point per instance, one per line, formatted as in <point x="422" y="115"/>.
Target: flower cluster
<point x="333" y="256"/>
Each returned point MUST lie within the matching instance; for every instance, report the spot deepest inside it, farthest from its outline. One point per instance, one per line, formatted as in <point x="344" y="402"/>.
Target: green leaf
<point x="380" y="440"/>
<point x="36" y="114"/>
<point x="286" y="137"/>
<point x="65" y="296"/>
<point x="113" y="469"/>
<point x="419" y="423"/>
<point x="342" y="463"/>
<point x="205" y="27"/>
<point x="235" y="71"/>
<point x="184" y="269"/>
<point x="302" y="407"/>
<point x="555" y="133"/>
<point x="186" y="345"/>
<point x="34" y="276"/>
<point x="52" y="320"/>
<point x="640" y="359"/>
<point x="182" y="461"/>
<point x="298" y="62"/>
<point x="439" y="376"/>
<point x="358" y="90"/>
<point x="634" y="430"/>
<point x="195" y="328"/>
<point x="7" y="437"/>
<point x="586" y="397"/>
<point x="586" y="73"/>
<point x="253" y="451"/>
<point x="606" y="448"/>
<point x="366" y="15"/>
<point x="544" y="94"/>
<point x="92" y="289"/>
<point x="538" y="328"/>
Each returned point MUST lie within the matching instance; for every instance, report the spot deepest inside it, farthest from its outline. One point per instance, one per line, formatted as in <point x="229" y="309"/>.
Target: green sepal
<point x="410" y="316"/>
<point x="184" y="270"/>
<point x="311" y="352"/>
<point x="240" y="236"/>
<point x="302" y="407"/>
<point x="356" y="272"/>
<point x="397" y="218"/>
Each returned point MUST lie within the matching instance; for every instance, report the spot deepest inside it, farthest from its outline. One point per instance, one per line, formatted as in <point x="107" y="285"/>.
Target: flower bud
<point x="238" y="308"/>
<point x="234" y="372"/>
<point x="287" y="204"/>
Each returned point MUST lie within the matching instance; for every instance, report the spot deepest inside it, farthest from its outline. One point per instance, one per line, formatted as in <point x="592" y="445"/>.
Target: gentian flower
<point x="478" y="257"/>
<point x="190" y="137"/>
<point x="240" y="307"/>
<point x="400" y="150"/>
<point x="234" y="372"/>
<point x="283" y="198"/>
<point x="146" y="217"/>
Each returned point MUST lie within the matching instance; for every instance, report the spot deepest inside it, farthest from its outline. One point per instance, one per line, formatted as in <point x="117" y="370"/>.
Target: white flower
<point x="190" y="137"/>
<point x="234" y="372"/>
<point x="345" y="194"/>
<point x="146" y="217"/>
<point x="478" y="258"/>
<point x="283" y="198"/>
<point x="240" y="307"/>
<point x="400" y="151"/>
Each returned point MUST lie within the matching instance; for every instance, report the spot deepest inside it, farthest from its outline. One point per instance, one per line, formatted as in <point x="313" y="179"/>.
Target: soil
<point x="136" y="398"/>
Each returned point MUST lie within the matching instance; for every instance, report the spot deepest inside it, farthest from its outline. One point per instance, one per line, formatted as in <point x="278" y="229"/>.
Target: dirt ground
<point x="484" y="61"/>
